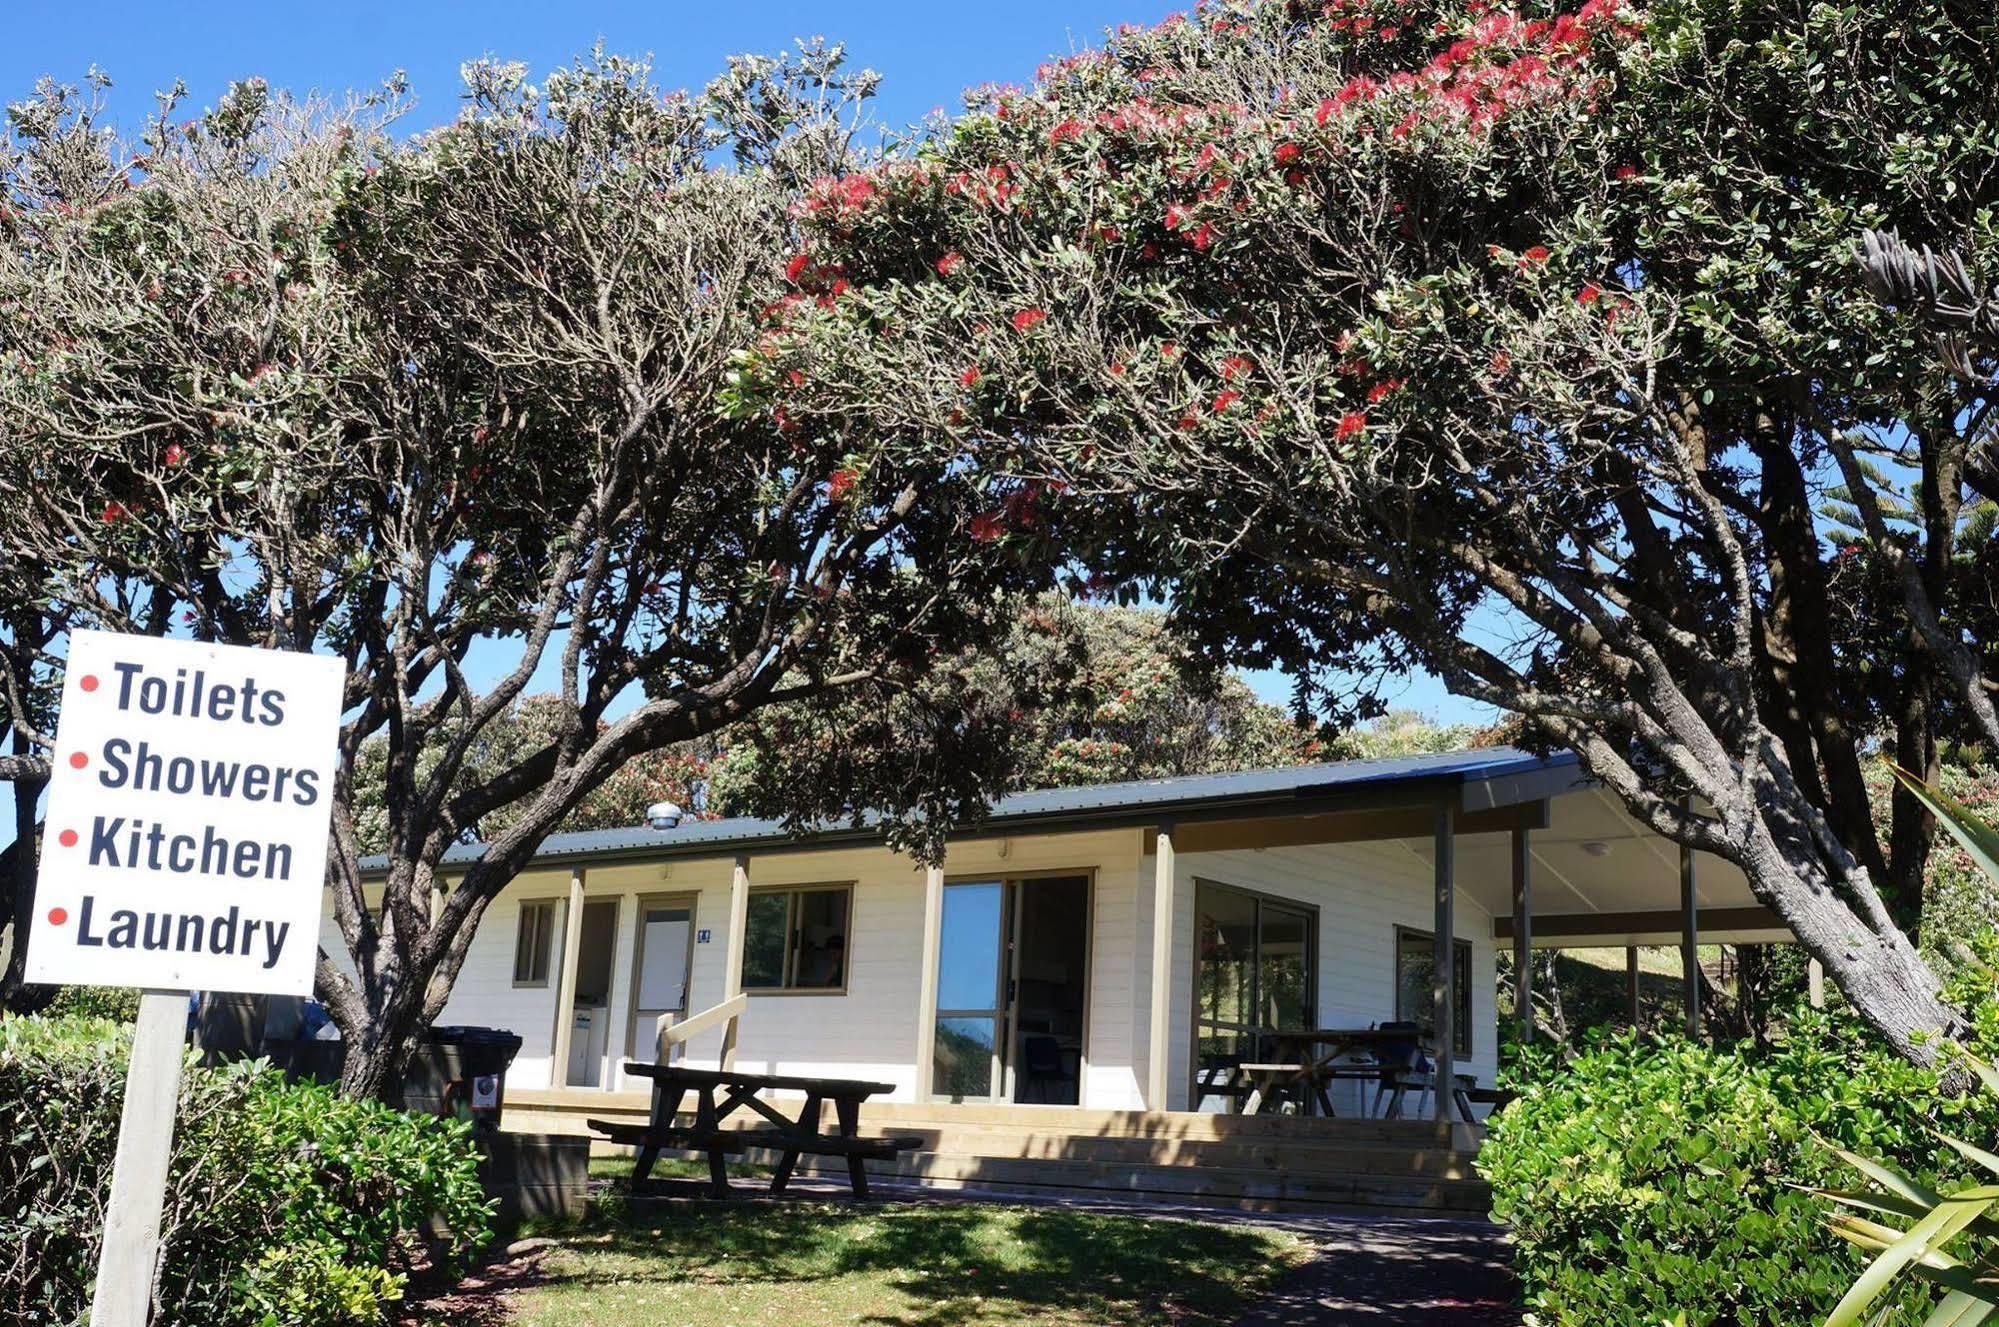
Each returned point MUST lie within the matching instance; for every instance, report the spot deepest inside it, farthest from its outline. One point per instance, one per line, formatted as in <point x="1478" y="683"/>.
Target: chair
<point x="1041" y="1061"/>
<point x="1403" y="1066"/>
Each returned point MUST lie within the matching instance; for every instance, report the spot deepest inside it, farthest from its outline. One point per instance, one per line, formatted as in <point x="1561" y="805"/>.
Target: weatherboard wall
<point x="1362" y="893"/>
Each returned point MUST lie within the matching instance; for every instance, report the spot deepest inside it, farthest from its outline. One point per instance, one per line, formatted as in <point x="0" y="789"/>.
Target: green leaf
<point x="1979" y="839"/>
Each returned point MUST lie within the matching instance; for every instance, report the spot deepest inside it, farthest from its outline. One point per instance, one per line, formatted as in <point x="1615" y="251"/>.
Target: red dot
<point x="77" y="760"/>
<point x="57" y="916"/>
<point x="89" y="682"/>
<point x="67" y="838"/>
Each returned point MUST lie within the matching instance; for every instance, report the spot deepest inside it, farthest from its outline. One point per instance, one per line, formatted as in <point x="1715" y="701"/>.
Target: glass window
<point x="963" y="1055"/>
<point x="765" y="939"/>
<point x="533" y="942"/>
<point x="1415" y="962"/>
<point x="796" y="939"/>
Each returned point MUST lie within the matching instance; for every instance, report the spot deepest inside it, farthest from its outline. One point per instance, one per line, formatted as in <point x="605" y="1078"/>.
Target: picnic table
<point x="1306" y="1061"/>
<point x="719" y="1094"/>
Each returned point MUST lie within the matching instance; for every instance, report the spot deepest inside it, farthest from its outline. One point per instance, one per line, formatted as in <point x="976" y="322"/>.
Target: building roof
<point x="1494" y="776"/>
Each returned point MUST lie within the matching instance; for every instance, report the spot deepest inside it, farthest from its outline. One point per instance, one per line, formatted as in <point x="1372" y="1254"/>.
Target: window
<point x="533" y="943"/>
<point x="1415" y="961"/>
<point x="796" y="939"/>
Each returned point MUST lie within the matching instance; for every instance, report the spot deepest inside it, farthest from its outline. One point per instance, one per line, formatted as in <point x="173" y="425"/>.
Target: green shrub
<point x="1649" y="1175"/>
<point x="286" y="1203"/>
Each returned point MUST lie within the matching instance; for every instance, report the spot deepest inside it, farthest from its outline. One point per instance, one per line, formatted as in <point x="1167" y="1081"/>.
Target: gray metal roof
<point x="1489" y="777"/>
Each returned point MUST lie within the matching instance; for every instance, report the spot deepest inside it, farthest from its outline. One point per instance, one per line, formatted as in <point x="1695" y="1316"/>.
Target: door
<point x="971" y="997"/>
<point x="1253" y="975"/>
<point x="665" y="951"/>
<point x="1012" y="990"/>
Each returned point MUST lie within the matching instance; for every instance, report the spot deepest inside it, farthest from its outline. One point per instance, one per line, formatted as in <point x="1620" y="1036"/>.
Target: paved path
<point x="1384" y="1272"/>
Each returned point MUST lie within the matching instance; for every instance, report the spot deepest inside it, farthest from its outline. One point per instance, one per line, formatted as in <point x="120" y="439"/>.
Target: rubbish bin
<point x="462" y="1072"/>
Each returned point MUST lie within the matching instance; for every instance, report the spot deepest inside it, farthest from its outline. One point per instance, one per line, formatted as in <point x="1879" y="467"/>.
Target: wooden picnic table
<point x="719" y="1094"/>
<point x="1306" y="1061"/>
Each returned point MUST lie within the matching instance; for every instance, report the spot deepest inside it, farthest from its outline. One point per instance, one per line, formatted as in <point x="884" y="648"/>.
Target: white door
<point x="665" y="948"/>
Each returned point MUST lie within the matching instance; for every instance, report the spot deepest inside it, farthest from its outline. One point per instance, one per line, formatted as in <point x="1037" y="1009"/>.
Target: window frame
<point x="1463" y="957"/>
<point x="791" y="893"/>
<point x="546" y="940"/>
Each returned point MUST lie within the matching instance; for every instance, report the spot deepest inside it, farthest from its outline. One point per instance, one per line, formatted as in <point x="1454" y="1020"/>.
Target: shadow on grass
<point x="954" y="1263"/>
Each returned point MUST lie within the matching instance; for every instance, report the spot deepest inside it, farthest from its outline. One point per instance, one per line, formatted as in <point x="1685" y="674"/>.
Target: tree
<point x="1524" y="348"/>
<point x="1074" y="694"/>
<point x="447" y="407"/>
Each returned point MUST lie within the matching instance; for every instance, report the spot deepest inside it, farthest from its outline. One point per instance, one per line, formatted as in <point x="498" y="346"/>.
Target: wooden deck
<point x="1256" y="1163"/>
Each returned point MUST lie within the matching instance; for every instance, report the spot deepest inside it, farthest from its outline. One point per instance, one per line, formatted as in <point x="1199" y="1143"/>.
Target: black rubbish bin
<point x="462" y="1072"/>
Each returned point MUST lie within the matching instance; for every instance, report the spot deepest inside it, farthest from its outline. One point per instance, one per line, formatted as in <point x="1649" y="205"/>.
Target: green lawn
<point x="901" y="1265"/>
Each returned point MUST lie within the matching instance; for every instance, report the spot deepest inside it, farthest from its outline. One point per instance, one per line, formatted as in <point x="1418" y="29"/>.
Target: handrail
<point x="713" y="1016"/>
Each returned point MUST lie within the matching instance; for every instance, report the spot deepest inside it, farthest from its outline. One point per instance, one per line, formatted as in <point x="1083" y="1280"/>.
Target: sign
<point x="702" y="936"/>
<point x="189" y="798"/>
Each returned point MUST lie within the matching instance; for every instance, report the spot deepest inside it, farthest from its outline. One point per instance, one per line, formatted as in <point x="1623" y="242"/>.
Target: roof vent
<point x="663" y="815"/>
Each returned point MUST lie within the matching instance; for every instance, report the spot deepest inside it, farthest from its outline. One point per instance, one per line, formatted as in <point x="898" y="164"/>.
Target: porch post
<point x="1523" y="936"/>
<point x="1690" y="938"/>
<point x="926" y="986"/>
<point x="1631" y="983"/>
<point x="1160" y="1025"/>
<point x="1443" y="982"/>
<point x="565" y="983"/>
<point x="732" y="962"/>
<point x="1815" y="983"/>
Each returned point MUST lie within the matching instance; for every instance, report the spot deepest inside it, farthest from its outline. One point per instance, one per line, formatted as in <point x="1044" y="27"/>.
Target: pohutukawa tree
<point x="1530" y="348"/>
<point x="448" y="407"/>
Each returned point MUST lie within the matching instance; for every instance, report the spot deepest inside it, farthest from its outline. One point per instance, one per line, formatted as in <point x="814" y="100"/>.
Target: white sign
<point x="189" y="799"/>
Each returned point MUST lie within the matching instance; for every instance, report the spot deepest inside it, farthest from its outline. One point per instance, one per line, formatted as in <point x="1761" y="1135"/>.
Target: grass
<point x="699" y="1264"/>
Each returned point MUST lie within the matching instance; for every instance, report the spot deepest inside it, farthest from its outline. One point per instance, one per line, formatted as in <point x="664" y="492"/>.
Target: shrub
<point x="1651" y="1175"/>
<point x="286" y="1202"/>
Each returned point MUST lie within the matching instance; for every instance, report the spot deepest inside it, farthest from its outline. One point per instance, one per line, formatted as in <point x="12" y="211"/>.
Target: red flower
<point x="1202" y="236"/>
<point x="1537" y="254"/>
<point x="795" y="269"/>
<point x="1352" y="422"/>
<point x="950" y="263"/>
<point x="1626" y="172"/>
<point x="1382" y="390"/>
<point x="1066" y="132"/>
<point x="970" y="377"/>
<point x="1176" y="215"/>
<point x="1502" y="363"/>
<point x="1168" y="350"/>
<point x="1286" y="152"/>
<point x="1117" y="370"/>
<point x="838" y="483"/>
<point x="987" y="526"/>
<point x="1225" y="399"/>
<point x="114" y="512"/>
<point x="1028" y="318"/>
<point x="1235" y="366"/>
<point x="1589" y="294"/>
<point x="175" y="453"/>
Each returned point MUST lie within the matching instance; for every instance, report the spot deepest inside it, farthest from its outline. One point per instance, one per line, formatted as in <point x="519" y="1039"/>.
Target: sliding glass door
<point x="1254" y="974"/>
<point x="971" y="1003"/>
<point x="1012" y="990"/>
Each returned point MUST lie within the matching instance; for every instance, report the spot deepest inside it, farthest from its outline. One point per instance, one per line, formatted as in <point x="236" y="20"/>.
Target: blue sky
<point x="927" y="53"/>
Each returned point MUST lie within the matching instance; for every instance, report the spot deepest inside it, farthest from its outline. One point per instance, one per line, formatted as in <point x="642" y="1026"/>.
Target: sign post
<point x="189" y="804"/>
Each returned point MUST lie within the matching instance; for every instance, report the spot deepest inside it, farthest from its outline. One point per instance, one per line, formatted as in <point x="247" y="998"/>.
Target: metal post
<point x="1160" y="1025"/>
<point x="1523" y="936"/>
<point x="926" y="986"/>
<point x="1631" y="1001"/>
<point x="732" y="963"/>
<point x="1443" y="984"/>
<point x="124" y="1296"/>
<point x="1690" y="939"/>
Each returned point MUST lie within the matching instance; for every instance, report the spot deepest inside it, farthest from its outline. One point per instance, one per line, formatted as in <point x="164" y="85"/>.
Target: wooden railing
<point x="674" y="1037"/>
